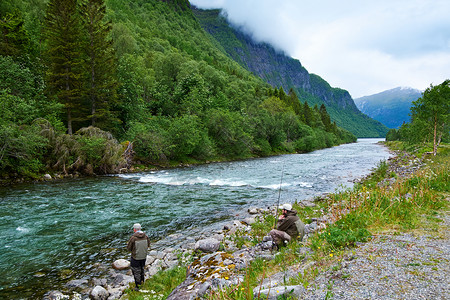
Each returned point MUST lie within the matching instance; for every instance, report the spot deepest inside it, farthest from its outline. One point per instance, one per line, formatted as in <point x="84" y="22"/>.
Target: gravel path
<point x="401" y="266"/>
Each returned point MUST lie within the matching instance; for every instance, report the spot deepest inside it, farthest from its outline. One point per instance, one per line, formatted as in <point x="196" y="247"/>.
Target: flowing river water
<point x="61" y="230"/>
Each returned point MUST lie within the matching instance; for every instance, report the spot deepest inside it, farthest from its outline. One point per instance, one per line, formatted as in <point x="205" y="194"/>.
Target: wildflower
<point x="331" y="254"/>
<point x="226" y="277"/>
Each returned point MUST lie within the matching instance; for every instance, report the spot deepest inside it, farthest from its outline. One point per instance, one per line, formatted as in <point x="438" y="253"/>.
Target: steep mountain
<point x="389" y="107"/>
<point x="278" y="69"/>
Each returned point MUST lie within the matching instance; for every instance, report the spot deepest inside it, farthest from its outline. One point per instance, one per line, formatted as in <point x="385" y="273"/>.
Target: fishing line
<point x="279" y="195"/>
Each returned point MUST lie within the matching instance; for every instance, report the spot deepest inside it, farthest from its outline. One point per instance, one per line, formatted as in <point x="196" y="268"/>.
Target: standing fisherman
<point x="138" y="246"/>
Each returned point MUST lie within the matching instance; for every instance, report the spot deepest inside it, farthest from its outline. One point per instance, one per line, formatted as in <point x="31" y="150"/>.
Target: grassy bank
<point x="402" y="195"/>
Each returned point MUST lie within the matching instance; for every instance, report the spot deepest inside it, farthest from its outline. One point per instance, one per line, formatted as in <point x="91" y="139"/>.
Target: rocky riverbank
<point x="393" y="265"/>
<point x="217" y="260"/>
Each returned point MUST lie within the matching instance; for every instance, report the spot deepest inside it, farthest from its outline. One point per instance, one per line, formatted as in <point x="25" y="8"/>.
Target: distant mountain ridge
<point x="390" y="107"/>
<point x="278" y="69"/>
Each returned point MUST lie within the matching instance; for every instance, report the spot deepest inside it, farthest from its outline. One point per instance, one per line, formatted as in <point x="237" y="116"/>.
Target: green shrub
<point x="342" y="236"/>
<point x="21" y="150"/>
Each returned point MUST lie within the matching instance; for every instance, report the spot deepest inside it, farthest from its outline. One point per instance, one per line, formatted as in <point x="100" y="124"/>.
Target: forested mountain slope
<point x="390" y="107"/>
<point x="277" y="69"/>
<point x="145" y="77"/>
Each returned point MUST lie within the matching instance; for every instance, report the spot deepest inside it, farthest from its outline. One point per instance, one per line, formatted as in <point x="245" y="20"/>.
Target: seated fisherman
<point x="289" y="226"/>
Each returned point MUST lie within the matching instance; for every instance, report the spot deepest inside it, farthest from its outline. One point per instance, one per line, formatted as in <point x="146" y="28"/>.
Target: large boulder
<point x="99" y="293"/>
<point x="209" y="245"/>
<point x="121" y="264"/>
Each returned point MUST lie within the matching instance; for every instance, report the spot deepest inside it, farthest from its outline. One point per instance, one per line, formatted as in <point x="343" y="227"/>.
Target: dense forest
<point x="93" y="86"/>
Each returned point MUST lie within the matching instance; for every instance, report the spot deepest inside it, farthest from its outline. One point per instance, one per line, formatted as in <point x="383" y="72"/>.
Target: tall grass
<point x="398" y="205"/>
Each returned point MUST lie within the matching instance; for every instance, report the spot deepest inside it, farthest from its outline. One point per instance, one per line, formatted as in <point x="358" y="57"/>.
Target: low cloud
<point x="361" y="46"/>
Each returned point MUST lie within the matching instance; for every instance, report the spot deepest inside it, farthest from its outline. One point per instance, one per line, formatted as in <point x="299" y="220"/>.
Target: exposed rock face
<point x="274" y="66"/>
<point x="280" y="70"/>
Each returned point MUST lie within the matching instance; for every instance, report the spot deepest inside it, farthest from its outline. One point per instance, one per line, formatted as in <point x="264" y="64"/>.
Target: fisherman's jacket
<point x="288" y="223"/>
<point x="138" y="245"/>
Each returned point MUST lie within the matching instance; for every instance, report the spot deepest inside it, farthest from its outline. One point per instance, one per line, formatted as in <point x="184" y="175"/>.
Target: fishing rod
<point x="279" y="195"/>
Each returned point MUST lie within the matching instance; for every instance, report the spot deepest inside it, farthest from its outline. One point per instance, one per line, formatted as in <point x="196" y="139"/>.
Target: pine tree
<point x="325" y="117"/>
<point x="64" y="74"/>
<point x="14" y="40"/>
<point x="307" y="112"/>
<point x="294" y="102"/>
<point x="99" y="64"/>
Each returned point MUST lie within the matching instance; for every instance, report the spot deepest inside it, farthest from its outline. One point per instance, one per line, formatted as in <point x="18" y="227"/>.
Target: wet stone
<point x="121" y="264"/>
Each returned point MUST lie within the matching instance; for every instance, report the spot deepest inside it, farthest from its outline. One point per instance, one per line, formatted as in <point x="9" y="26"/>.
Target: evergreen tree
<point x="64" y="74"/>
<point x="294" y="102"/>
<point x="325" y="117"/>
<point x="14" y="40"/>
<point x="281" y="94"/>
<point x="307" y="113"/>
<point x="99" y="64"/>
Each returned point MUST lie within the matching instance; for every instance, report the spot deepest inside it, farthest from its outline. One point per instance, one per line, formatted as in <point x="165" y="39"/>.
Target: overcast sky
<point x="362" y="46"/>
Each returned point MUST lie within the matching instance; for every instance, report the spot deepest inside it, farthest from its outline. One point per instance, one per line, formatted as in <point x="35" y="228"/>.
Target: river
<point x="56" y="231"/>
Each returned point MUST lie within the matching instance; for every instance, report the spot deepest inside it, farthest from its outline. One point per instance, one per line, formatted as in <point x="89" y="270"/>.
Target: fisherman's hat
<point x="286" y="206"/>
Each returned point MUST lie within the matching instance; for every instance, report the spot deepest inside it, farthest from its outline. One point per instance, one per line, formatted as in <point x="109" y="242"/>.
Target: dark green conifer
<point x="99" y="64"/>
<point x="307" y="112"/>
<point x="63" y="55"/>
<point x="325" y="117"/>
<point x="14" y="40"/>
<point x="294" y="102"/>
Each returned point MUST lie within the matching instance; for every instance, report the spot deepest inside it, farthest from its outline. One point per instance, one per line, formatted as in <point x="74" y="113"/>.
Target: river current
<point x="61" y="230"/>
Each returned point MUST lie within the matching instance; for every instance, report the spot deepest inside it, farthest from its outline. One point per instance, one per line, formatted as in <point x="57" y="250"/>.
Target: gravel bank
<point x="392" y="266"/>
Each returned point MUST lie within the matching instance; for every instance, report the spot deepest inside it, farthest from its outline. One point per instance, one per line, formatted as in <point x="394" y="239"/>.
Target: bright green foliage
<point x="185" y="136"/>
<point x="346" y="232"/>
<point x="161" y="284"/>
<point x="64" y="58"/>
<point x="433" y="108"/>
<point x="150" y="140"/>
<point x="21" y="150"/>
<point x="145" y="71"/>
<point x="227" y="130"/>
<point x="392" y="135"/>
<point x="430" y="118"/>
